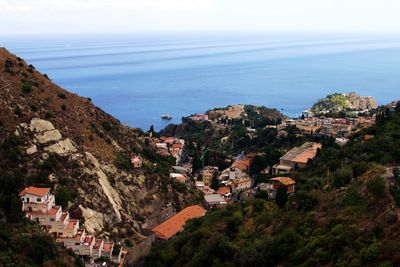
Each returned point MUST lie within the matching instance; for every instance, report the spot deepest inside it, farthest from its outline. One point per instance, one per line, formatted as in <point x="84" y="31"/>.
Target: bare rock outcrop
<point x="63" y="147"/>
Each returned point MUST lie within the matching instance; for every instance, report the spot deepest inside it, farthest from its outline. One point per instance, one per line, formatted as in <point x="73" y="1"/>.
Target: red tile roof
<point x="88" y="240"/>
<point x="108" y="246"/>
<point x="37" y="191"/>
<point x="71" y="224"/>
<point x="175" y="224"/>
<point x="284" y="180"/>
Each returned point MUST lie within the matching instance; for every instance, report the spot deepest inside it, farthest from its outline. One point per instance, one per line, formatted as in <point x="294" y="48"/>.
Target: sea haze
<point x="139" y="77"/>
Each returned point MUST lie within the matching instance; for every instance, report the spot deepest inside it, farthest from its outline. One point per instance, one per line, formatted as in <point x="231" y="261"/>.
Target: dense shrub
<point x="342" y="177"/>
<point x="376" y="186"/>
<point x="281" y="196"/>
<point x="50" y="163"/>
<point x="63" y="197"/>
<point x="62" y="95"/>
<point x="26" y="87"/>
<point x="107" y="125"/>
<point x="123" y="161"/>
<point x="355" y="198"/>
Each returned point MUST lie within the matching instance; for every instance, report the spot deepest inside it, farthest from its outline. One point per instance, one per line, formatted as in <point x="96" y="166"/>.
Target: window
<point x="39" y="199"/>
<point x="52" y="219"/>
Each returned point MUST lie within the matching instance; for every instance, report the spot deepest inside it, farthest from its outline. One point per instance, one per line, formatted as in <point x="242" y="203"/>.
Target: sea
<point x="138" y="77"/>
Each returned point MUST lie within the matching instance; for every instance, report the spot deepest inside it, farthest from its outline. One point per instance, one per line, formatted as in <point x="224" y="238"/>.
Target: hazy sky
<point x="77" y="16"/>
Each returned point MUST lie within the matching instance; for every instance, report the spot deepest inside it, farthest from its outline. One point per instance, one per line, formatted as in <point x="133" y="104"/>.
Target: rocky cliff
<point x="344" y="102"/>
<point x="73" y="146"/>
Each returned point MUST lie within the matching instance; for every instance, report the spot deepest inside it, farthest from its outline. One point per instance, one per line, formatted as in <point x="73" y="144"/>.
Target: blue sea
<point x="138" y="77"/>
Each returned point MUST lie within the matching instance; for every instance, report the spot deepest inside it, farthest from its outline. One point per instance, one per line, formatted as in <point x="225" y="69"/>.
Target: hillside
<point x="236" y="122"/>
<point x="343" y="102"/>
<point x="53" y="138"/>
<point x="344" y="213"/>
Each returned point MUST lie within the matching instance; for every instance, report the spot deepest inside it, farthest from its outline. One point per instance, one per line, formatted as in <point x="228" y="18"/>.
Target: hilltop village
<point x="235" y="177"/>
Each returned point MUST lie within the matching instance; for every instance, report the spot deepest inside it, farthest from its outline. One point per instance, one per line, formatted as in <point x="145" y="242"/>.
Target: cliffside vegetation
<point x="23" y="243"/>
<point x="335" y="103"/>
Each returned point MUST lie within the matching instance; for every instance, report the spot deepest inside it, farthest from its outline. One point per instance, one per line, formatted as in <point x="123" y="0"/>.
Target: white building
<point x="39" y="205"/>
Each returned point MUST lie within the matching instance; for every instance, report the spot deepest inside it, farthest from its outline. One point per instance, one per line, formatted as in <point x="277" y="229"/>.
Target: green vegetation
<point x="281" y="196"/>
<point x="334" y="102"/>
<point x="63" y="197"/>
<point x="123" y="161"/>
<point x="8" y="65"/>
<point x="26" y="87"/>
<point x="376" y="186"/>
<point x="252" y="235"/>
<point x="62" y="95"/>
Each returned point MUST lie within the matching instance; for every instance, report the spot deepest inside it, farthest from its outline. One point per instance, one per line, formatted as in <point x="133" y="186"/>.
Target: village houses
<point x="273" y="184"/>
<point x="39" y="205"/>
<point x="171" y="146"/>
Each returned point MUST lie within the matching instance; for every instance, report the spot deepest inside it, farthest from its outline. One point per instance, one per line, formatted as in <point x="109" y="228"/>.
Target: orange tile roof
<point x="368" y="137"/>
<point x="223" y="190"/>
<point x="179" y="146"/>
<point x="37" y="191"/>
<point x="284" y="180"/>
<point x="175" y="224"/>
<point x="308" y="154"/>
<point x="243" y="164"/>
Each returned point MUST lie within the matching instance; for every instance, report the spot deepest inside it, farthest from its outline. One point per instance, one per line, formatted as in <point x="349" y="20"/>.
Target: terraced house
<point x="39" y="205"/>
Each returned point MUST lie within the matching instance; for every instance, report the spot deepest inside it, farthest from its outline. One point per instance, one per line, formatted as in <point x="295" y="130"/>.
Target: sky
<point x="103" y="16"/>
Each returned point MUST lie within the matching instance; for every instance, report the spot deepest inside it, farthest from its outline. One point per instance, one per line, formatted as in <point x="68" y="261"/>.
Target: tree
<point x="215" y="182"/>
<point x="258" y="164"/>
<point x="376" y="186"/>
<point x="123" y="161"/>
<point x="281" y="196"/>
<point x="151" y="129"/>
<point x="63" y="196"/>
<point x="397" y="108"/>
<point x="396" y="174"/>
<point x="342" y="177"/>
<point x="196" y="163"/>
